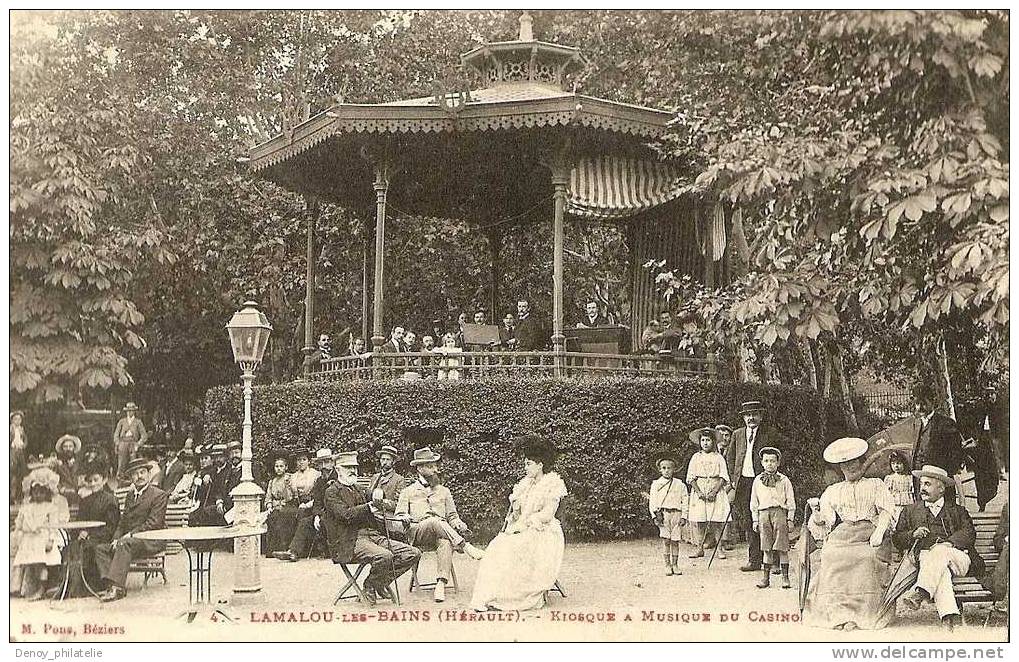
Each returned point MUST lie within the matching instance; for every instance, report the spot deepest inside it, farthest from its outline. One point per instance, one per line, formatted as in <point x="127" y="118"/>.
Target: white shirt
<point x="935" y="506"/>
<point x="748" y="459"/>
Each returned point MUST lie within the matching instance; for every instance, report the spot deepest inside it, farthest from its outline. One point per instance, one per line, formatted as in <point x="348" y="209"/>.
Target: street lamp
<point x="249" y="331"/>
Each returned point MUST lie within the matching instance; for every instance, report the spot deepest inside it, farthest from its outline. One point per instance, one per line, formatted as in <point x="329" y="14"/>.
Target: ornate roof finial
<point x="526" y="27"/>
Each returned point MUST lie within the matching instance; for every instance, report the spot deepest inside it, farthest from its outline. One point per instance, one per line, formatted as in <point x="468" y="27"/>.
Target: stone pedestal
<point x="248" y="550"/>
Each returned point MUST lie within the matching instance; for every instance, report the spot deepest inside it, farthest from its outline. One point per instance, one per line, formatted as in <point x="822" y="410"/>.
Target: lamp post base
<point x="247" y="499"/>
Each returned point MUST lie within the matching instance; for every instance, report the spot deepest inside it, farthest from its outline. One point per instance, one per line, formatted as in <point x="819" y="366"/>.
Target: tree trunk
<point x="826" y="368"/>
<point x="839" y="369"/>
<point x="944" y="378"/>
<point x="808" y="363"/>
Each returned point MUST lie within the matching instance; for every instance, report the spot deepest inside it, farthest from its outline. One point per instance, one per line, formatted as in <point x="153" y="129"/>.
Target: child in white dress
<point x="899" y="483"/>
<point x="708" y="478"/>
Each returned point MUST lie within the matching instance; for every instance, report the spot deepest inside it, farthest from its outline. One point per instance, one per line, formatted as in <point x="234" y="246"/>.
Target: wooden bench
<point x="176" y="516"/>
<point x="969" y="590"/>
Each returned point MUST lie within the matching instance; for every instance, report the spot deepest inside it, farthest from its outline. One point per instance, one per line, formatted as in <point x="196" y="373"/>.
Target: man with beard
<point x="310" y="521"/>
<point x="939" y="442"/>
<point x="386" y="485"/>
<point x="354" y="533"/>
<point x="744" y="464"/>
<point x="529" y="334"/>
<point x="66" y="466"/>
<point x="433" y="522"/>
<point x="943" y="535"/>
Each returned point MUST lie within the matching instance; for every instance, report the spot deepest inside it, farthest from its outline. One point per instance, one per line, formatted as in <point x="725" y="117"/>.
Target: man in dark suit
<point x="944" y="538"/>
<point x="508" y="332"/>
<point x="388" y="484"/>
<point x="354" y="537"/>
<point x="939" y="442"/>
<point x="172" y="472"/>
<point x="592" y="317"/>
<point x="144" y="510"/>
<point x="100" y="505"/>
<point x="308" y="523"/>
<point x="529" y="334"/>
<point x="744" y="463"/>
<point x="395" y="343"/>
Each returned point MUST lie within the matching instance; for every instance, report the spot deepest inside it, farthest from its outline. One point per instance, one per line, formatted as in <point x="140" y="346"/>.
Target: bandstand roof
<point x="458" y="153"/>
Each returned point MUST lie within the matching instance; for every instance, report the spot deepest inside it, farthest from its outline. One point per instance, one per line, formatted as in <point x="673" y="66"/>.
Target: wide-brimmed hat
<point x="424" y="456"/>
<point x="72" y="438"/>
<point x="932" y="471"/>
<point x="130" y="407"/>
<point x="387" y="450"/>
<point x="137" y="463"/>
<point x="346" y="458"/>
<point x="186" y="454"/>
<point x="770" y="449"/>
<point x="695" y="434"/>
<point x="16" y="412"/>
<point x="217" y="449"/>
<point x="232" y="445"/>
<point x="722" y="427"/>
<point x="845" y="449"/>
<point x="751" y="406"/>
<point x="323" y="454"/>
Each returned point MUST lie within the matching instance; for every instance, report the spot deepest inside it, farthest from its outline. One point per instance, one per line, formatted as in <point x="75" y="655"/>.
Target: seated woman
<point x="523" y="561"/>
<point x="282" y="504"/>
<point x="852" y="568"/>
<point x="184" y="491"/>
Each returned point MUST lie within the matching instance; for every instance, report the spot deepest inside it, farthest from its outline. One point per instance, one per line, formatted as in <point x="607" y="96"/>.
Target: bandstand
<point x="524" y="143"/>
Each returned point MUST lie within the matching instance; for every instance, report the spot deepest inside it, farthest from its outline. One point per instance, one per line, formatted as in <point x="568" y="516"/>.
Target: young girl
<point x="667" y="502"/>
<point x="450" y="362"/>
<point x="707" y="477"/>
<point x="899" y="482"/>
<point x="39" y="544"/>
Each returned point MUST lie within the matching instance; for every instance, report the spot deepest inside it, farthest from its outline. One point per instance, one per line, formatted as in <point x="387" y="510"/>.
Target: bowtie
<point x="769" y="480"/>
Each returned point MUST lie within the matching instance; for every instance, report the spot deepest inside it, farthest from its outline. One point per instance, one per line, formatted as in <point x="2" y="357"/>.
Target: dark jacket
<point x="172" y="474"/>
<point x="100" y="506"/>
<point x="318" y="491"/>
<point x="953" y="524"/>
<point x="346" y="511"/>
<point x="940" y="446"/>
<point x="143" y="514"/>
<point x="391" y="347"/>
<point x="586" y="323"/>
<point x="1002" y="532"/>
<point x="530" y="336"/>
<point x="766" y="436"/>
<point x="391" y="487"/>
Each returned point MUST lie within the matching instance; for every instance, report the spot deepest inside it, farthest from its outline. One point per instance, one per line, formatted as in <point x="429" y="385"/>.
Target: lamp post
<point x="249" y="331"/>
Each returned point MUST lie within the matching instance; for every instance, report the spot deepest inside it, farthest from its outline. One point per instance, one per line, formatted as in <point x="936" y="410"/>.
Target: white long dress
<point x="523" y="561"/>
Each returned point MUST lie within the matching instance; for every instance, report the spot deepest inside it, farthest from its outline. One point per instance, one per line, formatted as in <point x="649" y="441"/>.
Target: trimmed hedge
<point x="610" y="432"/>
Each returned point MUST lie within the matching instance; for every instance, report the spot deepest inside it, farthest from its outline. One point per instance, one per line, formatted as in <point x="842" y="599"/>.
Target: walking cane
<point x="721" y="534"/>
<point x="392" y="557"/>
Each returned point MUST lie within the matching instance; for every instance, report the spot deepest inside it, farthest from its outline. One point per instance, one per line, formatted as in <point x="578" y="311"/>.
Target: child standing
<point x="708" y="478"/>
<point x="899" y="482"/>
<point x="667" y="502"/>
<point x="38" y="541"/>
<point x="772" y="507"/>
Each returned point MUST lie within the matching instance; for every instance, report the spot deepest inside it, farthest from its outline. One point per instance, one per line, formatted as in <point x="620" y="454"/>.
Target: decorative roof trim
<point x="574" y="109"/>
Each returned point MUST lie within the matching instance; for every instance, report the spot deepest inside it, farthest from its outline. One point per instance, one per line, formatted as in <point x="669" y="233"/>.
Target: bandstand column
<point x="309" y="288"/>
<point x="381" y="189"/>
<point x="560" y="181"/>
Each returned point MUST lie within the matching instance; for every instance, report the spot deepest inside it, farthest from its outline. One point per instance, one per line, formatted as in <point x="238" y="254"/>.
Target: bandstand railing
<point x="479" y="365"/>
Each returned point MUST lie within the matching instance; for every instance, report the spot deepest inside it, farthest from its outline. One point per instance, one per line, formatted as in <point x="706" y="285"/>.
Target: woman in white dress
<point x="450" y="360"/>
<point x="708" y="477"/>
<point x="523" y="561"/>
<point x="852" y="569"/>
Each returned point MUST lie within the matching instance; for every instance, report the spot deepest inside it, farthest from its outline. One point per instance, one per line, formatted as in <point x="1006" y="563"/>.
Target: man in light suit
<point x="144" y="510"/>
<point x="743" y="460"/>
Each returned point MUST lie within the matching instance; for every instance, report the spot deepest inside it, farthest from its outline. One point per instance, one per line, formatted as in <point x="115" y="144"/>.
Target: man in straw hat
<point x="433" y="522"/>
<point x="144" y="510"/>
<point x="309" y="520"/>
<point x="127" y="436"/>
<point x="943" y="534"/>
<point x="385" y="485"/>
<point x="355" y="534"/>
<point x="744" y="463"/>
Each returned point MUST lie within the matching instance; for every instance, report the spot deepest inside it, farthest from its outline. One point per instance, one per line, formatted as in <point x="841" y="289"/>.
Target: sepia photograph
<point x="508" y="325"/>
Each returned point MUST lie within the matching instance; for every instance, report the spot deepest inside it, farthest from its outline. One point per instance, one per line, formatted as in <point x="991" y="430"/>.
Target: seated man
<point x="385" y="487"/>
<point x="996" y="581"/>
<point x="309" y="518"/>
<point x="100" y="505"/>
<point x="144" y="510"/>
<point x="354" y="536"/>
<point x="943" y="535"/>
<point x="433" y="523"/>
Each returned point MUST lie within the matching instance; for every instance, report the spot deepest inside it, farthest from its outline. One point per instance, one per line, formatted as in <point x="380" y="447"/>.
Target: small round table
<point x="199" y="558"/>
<point x="74" y="569"/>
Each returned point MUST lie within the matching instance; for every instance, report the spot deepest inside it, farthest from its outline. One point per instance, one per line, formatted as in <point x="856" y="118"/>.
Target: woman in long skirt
<point x="281" y="500"/>
<point x="523" y="561"/>
<point x="708" y="478"/>
<point x="847" y="588"/>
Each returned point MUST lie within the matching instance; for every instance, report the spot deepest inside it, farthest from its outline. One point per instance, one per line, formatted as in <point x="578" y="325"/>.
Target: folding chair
<point x="416" y="583"/>
<point x="352" y="583"/>
<point x="556" y="588"/>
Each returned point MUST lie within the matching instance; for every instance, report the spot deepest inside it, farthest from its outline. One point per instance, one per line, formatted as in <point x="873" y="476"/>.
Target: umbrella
<point x="804" y="548"/>
<point x="904" y="577"/>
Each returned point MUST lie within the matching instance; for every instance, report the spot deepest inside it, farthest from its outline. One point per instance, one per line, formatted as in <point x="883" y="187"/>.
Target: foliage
<point x="609" y="432"/>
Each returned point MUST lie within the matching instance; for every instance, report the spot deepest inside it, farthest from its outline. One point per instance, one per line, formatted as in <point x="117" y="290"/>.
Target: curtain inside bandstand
<point x="611" y="188"/>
